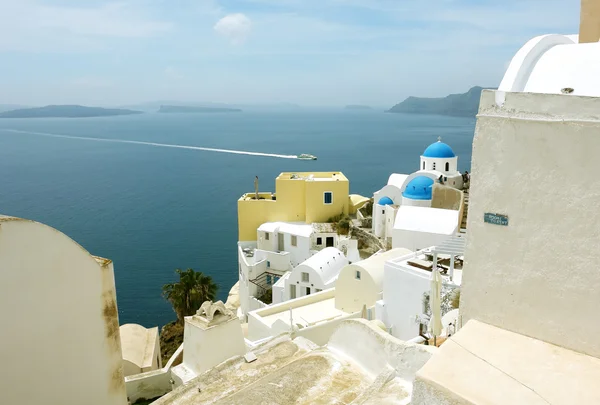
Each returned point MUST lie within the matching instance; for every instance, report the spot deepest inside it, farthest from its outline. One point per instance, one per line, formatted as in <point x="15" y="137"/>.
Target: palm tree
<point x="189" y="293"/>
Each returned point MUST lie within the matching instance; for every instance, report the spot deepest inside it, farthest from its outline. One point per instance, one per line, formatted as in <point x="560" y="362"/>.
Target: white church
<point x="403" y="206"/>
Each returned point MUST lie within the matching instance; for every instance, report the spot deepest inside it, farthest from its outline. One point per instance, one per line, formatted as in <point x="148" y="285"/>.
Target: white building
<point x="314" y="275"/>
<point x="141" y="349"/>
<point x="360" y="284"/>
<point x="407" y="280"/>
<point x="210" y="337"/>
<point x="438" y="162"/>
<point x="280" y="247"/>
<point x="419" y="227"/>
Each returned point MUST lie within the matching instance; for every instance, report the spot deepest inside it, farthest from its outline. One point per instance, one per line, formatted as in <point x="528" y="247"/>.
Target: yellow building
<point x="299" y="197"/>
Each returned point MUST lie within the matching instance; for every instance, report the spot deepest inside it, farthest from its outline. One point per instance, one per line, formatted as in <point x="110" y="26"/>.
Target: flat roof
<point x="292" y="228"/>
<point x="313" y="176"/>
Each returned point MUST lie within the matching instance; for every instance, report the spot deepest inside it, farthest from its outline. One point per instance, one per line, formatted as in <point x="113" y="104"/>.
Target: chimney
<point x="589" y="23"/>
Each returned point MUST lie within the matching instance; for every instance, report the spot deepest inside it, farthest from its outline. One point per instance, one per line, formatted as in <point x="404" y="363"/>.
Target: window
<point x="268" y="263"/>
<point x="269" y="280"/>
<point x="445" y="178"/>
<point x="433" y="165"/>
<point x="382" y="212"/>
<point x="328" y="197"/>
<point x="447" y="166"/>
<point x="292" y="291"/>
<point x="357" y="276"/>
<point x="305" y="277"/>
<point x="318" y="290"/>
<point x="319" y="241"/>
<point x="423" y="165"/>
<point x="307" y="290"/>
<point x="329" y="241"/>
<point x="294" y="240"/>
<point x="266" y="235"/>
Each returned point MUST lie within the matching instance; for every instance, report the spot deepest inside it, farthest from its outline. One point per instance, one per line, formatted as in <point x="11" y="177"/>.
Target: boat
<point x="306" y="156"/>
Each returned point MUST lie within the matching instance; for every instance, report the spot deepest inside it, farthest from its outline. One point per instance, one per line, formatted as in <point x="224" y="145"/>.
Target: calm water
<point x="153" y="209"/>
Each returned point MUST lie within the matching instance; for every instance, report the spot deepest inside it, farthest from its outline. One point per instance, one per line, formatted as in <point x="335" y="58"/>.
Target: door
<point x="292" y="291"/>
<point x="280" y="242"/>
<point x="329" y="241"/>
<point x="307" y="290"/>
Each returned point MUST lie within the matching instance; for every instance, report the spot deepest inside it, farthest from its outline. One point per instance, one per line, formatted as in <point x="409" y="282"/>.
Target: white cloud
<point x="31" y="25"/>
<point x="235" y="27"/>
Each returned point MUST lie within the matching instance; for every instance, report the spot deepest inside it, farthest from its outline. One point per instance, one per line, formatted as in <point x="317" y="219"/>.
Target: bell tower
<point x="589" y="23"/>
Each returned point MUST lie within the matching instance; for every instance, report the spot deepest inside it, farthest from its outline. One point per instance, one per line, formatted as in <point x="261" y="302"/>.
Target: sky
<point x="308" y="52"/>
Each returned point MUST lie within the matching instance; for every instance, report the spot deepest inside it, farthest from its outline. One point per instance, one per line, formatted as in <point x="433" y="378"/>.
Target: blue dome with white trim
<point x="439" y="150"/>
<point x="418" y="188"/>
<point x="385" y="201"/>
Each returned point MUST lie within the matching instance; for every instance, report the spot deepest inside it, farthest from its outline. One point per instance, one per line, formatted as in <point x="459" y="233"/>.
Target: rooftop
<point x="313" y="176"/>
<point x="292" y="228"/>
<point x="306" y="311"/>
<point x="296" y="371"/>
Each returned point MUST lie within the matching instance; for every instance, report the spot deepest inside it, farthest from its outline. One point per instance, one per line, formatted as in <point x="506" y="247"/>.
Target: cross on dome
<point x="439" y="139"/>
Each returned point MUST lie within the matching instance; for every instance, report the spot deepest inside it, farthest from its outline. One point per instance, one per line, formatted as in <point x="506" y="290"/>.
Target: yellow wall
<point x="298" y="200"/>
<point x="252" y="214"/>
<point x="291" y="198"/>
<point x="316" y="209"/>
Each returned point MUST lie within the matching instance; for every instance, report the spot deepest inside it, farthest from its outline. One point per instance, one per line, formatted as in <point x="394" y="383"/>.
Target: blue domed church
<point x="438" y="164"/>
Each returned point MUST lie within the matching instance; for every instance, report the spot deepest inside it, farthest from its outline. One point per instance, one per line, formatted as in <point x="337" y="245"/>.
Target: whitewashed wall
<point x="204" y="348"/>
<point x="543" y="266"/>
<point x="60" y="340"/>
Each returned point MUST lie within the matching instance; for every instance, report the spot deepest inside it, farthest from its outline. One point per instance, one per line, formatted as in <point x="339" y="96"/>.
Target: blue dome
<point x="418" y="188"/>
<point x="439" y="150"/>
<point x="385" y="201"/>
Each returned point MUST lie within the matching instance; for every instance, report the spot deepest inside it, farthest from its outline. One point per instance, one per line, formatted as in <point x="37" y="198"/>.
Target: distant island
<point x="65" y="111"/>
<point x="357" y="107"/>
<point x="457" y="105"/>
<point x="188" y="109"/>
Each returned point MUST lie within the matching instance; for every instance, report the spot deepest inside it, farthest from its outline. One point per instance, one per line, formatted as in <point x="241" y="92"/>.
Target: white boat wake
<point x="161" y="145"/>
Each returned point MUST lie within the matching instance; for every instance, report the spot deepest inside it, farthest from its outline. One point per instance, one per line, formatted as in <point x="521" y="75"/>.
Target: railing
<point x="265" y="282"/>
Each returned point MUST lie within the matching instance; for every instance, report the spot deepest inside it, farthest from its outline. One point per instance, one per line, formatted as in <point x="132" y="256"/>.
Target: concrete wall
<point x="538" y="276"/>
<point x="375" y="350"/>
<point x="589" y="27"/>
<point x="446" y="197"/>
<point x="321" y="333"/>
<point x="352" y="294"/>
<point x="154" y="383"/>
<point x="60" y="327"/>
<point x="204" y="348"/>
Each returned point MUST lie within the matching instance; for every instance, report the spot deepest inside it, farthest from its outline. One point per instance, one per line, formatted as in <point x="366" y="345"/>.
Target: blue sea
<point x="153" y="209"/>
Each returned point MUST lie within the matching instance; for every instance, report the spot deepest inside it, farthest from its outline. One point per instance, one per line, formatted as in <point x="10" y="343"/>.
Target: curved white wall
<point x="524" y="62"/>
<point x="439" y="164"/>
<point x="351" y="294"/>
<point x="415" y="203"/>
<point x="60" y="328"/>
